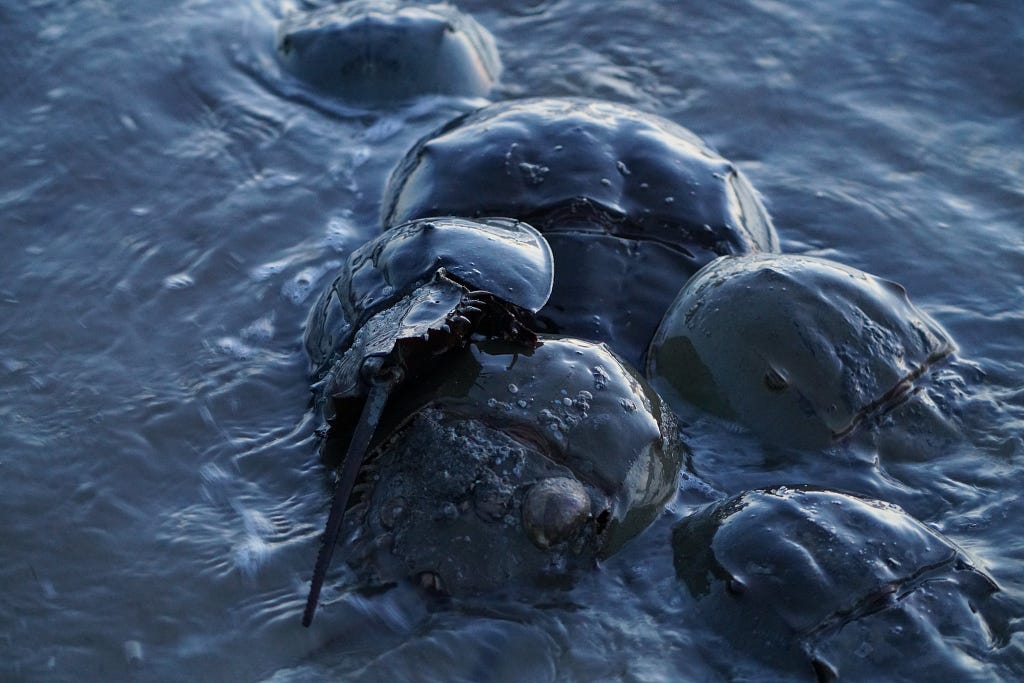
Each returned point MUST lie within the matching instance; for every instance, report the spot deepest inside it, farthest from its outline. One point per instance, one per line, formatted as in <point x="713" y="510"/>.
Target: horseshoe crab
<point x="832" y="585"/>
<point x="401" y="301"/>
<point x="508" y="465"/>
<point x="631" y="203"/>
<point x="503" y="256"/>
<point x="802" y="350"/>
<point x="373" y="51"/>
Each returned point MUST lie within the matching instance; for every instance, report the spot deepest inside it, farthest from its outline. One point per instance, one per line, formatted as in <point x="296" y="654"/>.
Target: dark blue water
<point x="170" y="202"/>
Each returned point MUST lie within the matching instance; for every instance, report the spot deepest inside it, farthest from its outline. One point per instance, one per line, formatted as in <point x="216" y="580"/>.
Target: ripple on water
<point x="169" y="204"/>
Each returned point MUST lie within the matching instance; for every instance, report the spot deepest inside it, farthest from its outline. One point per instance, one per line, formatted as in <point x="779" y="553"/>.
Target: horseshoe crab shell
<point x="631" y="203"/>
<point x="372" y="51"/>
<point x="507" y="464"/>
<point x="832" y="585"/>
<point x="800" y="349"/>
<point x="505" y="257"/>
<point x="396" y="310"/>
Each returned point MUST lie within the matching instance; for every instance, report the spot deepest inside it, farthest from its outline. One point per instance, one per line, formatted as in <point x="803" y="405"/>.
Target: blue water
<point x="170" y="203"/>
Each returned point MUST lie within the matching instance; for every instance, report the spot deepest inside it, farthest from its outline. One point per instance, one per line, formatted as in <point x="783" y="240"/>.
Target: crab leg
<point x="381" y="385"/>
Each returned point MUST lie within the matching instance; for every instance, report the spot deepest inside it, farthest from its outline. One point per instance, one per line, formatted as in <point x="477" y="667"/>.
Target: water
<point x="170" y="202"/>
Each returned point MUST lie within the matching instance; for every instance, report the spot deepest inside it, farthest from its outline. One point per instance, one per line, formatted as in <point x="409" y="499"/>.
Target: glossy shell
<point x="371" y="51"/>
<point x="506" y="467"/>
<point x="800" y="349"/>
<point x="582" y="165"/>
<point x="830" y="585"/>
<point x="632" y="204"/>
<point x="505" y="257"/>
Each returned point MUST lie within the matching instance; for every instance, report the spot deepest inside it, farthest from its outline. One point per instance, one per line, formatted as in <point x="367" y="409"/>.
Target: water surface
<point x="171" y="202"/>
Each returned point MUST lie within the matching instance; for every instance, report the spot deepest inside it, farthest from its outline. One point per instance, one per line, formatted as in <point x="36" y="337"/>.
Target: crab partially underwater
<point x="480" y="450"/>
<point x="427" y="276"/>
<point x="825" y="585"/>
<point x="507" y="466"/>
<point x="382" y="51"/>
<point x="631" y="203"/>
<point x="515" y="457"/>
<point x="802" y="350"/>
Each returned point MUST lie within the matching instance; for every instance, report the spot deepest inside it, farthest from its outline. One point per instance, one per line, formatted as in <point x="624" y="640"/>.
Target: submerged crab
<point x="816" y="581"/>
<point x="802" y="350"/>
<point x="505" y="466"/>
<point x="400" y="302"/>
<point x="372" y="51"/>
<point x="632" y="204"/>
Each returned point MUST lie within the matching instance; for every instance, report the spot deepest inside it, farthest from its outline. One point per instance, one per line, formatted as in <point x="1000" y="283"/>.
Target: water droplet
<point x="298" y="288"/>
<point x="533" y="173"/>
<point x="513" y="389"/>
<point x="582" y="402"/>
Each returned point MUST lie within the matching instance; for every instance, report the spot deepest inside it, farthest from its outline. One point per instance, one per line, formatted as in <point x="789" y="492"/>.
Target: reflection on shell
<point x="800" y="349"/>
<point x="488" y="488"/>
<point x="505" y="257"/>
<point x="623" y="197"/>
<point x="813" y="579"/>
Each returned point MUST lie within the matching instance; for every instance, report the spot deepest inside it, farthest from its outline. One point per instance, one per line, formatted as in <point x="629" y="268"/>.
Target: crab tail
<point x="380" y="388"/>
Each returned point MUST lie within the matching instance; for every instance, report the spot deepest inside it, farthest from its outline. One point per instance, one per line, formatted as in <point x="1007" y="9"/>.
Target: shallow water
<point x="171" y="202"/>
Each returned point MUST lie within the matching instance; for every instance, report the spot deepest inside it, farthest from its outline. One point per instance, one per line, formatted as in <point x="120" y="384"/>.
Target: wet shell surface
<point x="503" y="468"/>
<point x="377" y="51"/>
<point x="631" y="203"/>
<point x="833" y="585"/>
<point x="507" y="258"/>
<point x="802" y="350"/>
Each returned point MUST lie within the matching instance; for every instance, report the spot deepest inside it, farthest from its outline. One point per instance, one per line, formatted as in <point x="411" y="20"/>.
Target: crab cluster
<point x="476" y="363"/>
